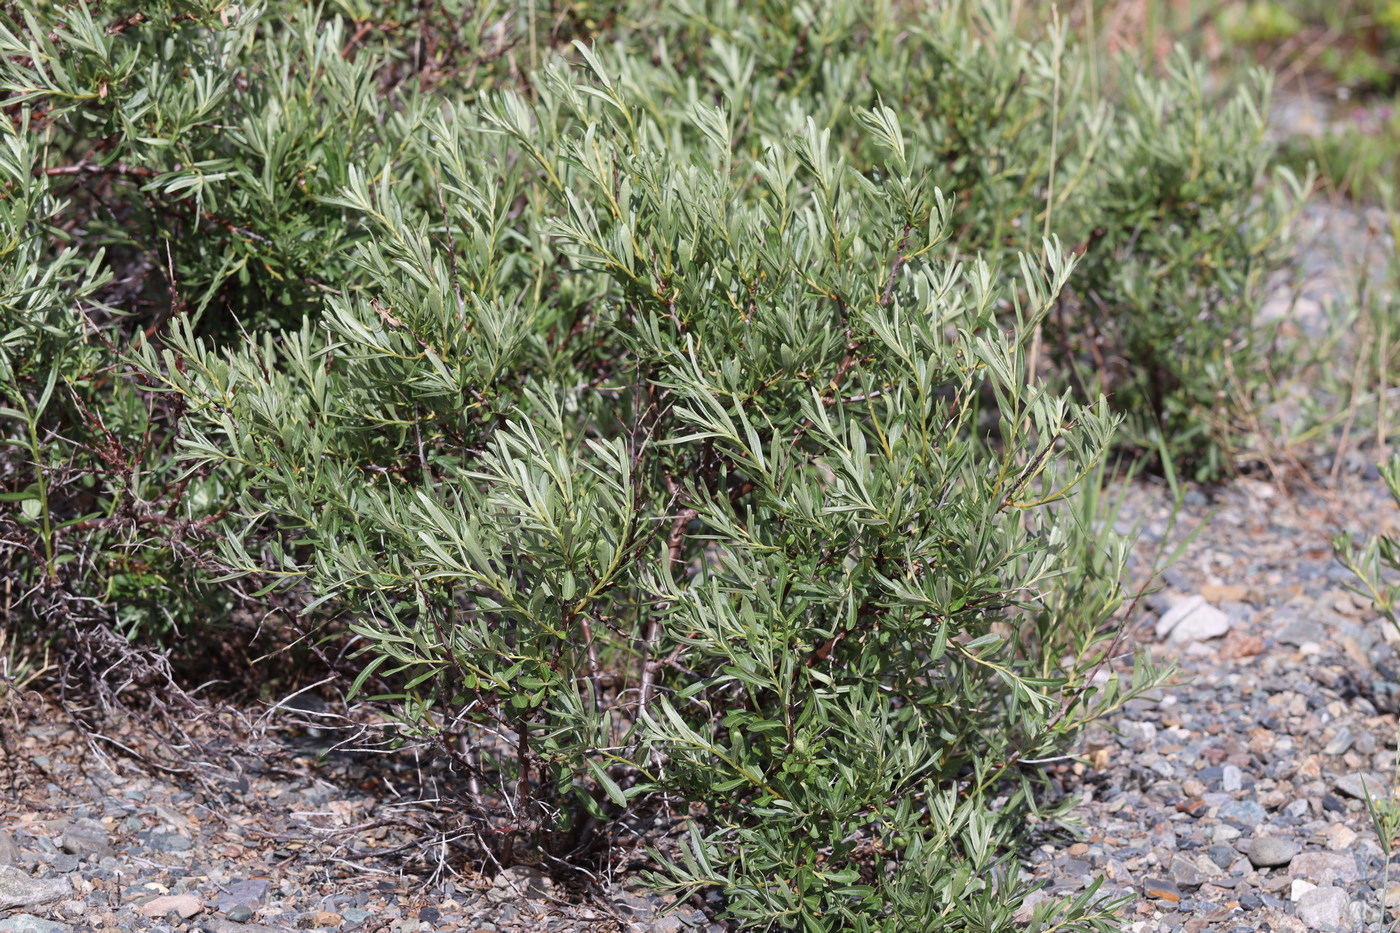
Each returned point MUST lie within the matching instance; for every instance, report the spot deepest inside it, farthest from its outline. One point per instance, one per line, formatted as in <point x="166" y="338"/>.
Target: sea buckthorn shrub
<point x="696" y="413"/>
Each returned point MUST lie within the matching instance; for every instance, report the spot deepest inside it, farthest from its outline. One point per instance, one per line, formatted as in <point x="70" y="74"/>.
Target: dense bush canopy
<point x="698" y="411"/>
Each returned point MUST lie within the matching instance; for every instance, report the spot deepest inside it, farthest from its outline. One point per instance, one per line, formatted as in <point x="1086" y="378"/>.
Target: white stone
<point x="1340" y="838"/>
<point x="1192" y="619"/>
<point x="1323" y="908"/>
<point x="1299" y="888"/>
<point x="1325" y="867"/>
<point x="1178" y="611"/>
<point x="1144" y="732"/>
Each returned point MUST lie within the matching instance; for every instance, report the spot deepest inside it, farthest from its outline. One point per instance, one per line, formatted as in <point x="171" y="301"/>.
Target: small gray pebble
<point x="1223" y="856"/>
<point x="1073" y="866"/>
<point x="1340" y="743"/>
<point x="63" y="864"/>
<point x="239" y="913"/>
<point x="1272" y="851"/>
<point x="168" y="842"/>
<point x="1186" y="874"/>
<point x="1244" y="812"/>
<point x="1301" y="632"/>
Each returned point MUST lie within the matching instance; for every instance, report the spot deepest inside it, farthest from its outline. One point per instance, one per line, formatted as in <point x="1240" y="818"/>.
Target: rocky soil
<point x="1235" y="800"/>
<point x="262" y="832"/>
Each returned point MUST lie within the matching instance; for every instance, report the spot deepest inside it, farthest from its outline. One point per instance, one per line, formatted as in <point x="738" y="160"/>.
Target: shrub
<point x="201" y="153"/>
<point x="660" y="467"/>
<point x="92" y="529"/>
<point x="175" y="161"/>
<point x="1376" y="561"/>
<point x="1163" y="315"/>
<point x="663" y="419"/>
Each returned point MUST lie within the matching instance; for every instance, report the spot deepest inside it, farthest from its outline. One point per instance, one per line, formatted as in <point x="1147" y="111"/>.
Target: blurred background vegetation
<point x="1336" y="65"/>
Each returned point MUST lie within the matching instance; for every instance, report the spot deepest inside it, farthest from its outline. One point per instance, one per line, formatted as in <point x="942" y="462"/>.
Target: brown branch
<point x="898" y="263"/>
<point x="362" y="30"/>
<point x="125" y="23"/>
<point x="148" y="519"/>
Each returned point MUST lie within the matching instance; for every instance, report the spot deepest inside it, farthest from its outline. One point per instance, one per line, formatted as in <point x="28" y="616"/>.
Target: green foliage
<point x="1259" y="21"/>
<point x="213" y="141"/>
<point x="85" y="524"/>
<point x="712" y="476"/>
<point x="1352" y="43"/>
<point x="698" y="415"/>
<point x="1178" y="268"/>
<point x="1375" y="561"/>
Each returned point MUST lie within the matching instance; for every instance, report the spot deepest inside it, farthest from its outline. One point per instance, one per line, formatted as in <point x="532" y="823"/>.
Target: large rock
<point x="183" y="905"/>
<point x="87" y="840"/>
<point x="9" y="852"/>
<point x="1361" y="784"/>
<point x="1323" y="908"/>
<point x="17" y="889"/>
<point x="245" y="893"/>
<point x="1325" y="868"/>
<point x="28" y="923"/>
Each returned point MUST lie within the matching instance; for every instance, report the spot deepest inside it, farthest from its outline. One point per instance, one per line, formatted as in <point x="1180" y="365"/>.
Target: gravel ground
<point x="1233" y="800"/>
<point x="264" y="834"/>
